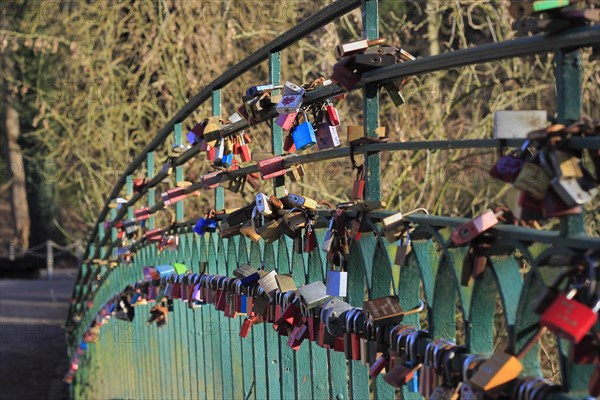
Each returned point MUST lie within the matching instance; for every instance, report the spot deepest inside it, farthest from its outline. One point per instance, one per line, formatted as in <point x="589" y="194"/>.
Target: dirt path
<point x="33" y="356"/>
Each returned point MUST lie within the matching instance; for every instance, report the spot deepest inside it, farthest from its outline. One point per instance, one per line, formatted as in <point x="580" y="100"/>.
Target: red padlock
<point x="382" y="362"/>
<point x="358" y="189"/>
<point x="569" y="318"/>
<point x="271" y="167"/>
<point x="332" y="113"/>
<point x="246" y="325"/>
<point x="142" y="214"/>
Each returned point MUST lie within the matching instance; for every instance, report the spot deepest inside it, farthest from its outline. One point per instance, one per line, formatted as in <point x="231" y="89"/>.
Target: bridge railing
<point x="199" y="353"/>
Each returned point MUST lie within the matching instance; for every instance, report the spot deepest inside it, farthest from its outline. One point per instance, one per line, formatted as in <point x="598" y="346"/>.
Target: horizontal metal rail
<point x="578" y="37"/>
<point x="292" y="160"/>
<point x="569" y="39"/>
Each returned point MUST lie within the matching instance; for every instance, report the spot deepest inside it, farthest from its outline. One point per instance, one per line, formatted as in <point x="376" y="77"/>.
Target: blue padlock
<point x="304" y="135"/>
<point x="205" y="225"/>
<point x="227" y="160"/>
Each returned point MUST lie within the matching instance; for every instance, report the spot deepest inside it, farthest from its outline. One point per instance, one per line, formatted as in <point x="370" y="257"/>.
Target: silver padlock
<point x="332" y="315"/>
<point x="290" y="104"/>
<point x="268" y="283"/>
<point x="570" y="191"/>
<point x="313" y="295"/>
<point x="292" y="89"/>
<point x="262" y="203"/>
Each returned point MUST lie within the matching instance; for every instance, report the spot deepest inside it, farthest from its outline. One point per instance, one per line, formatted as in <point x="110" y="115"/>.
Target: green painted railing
<point x="199" y="353"/>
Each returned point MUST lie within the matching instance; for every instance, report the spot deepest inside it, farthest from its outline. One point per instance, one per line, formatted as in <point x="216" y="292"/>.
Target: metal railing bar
<point x="324" y="155"/>
<point x="572" y="38"/>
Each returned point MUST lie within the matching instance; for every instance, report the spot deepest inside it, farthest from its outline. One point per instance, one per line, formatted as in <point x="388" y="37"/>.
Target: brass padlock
<point x="533" y="180"/>
<point x="285" y="283"/>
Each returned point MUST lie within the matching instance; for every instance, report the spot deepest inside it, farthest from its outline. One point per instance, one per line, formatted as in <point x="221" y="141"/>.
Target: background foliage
<point x="94" y="81"/>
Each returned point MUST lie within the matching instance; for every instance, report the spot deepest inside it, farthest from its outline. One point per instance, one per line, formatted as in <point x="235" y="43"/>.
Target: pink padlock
<point x="286" y="121"/>
<point x="470" y="230"/>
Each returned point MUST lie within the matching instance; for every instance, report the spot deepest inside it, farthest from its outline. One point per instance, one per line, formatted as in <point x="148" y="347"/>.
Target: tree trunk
<point x="18" y="192"/>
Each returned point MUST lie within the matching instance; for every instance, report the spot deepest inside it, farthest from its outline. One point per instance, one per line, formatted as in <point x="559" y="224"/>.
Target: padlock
<point x="533" y="180"/>
<point x="211" y="180"/>
<point x="304" y="135"/>
<point x="174" y="195"/>
<point x="285" y="283"/>
<point x="383" y="310"/>
<point x="358" y="188"/>
<point x="286" y="121"/>
<point x="310" y="239"/>
<point x="470" y="230"/>
<point x="246" y="274"/>
<point x="327" y="136"/>
<point x="244" y="149"/>
<point x="235" y="117"/>
<point x="288" y="143"/>
<point x="290" y="104"/>
<point x="344" y="73"/>
<point x="337" y="281"/>
<point x="241" y="215"/>
<point x="302" y="201"/>
<point x="359" y="46"/>
<point x="268" y="283"/>
<point x="570" y="191"/>
<point x="333" y="314"/>
<point x="142" y="214"/>
<point x="295" y="173"/>
<point x="367" y="62"/>
<point x="332" y="114"/>
<point x="313" y="294"/>
<point x="354" y="132"/>
<point x="569" y="318"/>
<point x="292" y="89"/>
<point x="262" y="204"/>
<point x="508" y="167"/>
<point x="268" y="230"/>
<point x="393" y="90"/>
<point x="258" y="90"/>
<point x="271" y="167"/>
<point x="502" y="367"/>
<point x="292" y="224"/>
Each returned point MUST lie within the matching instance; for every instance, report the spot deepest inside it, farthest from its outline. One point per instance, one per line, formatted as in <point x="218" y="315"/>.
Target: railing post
<point x="179" y="206"/>
<point x="216" y="112"/>
<point x="567" y="72"/>
<point x="101" y="238"/>
<point x="370" y="16"/>
<point x="129" y="194"/>
<point x="50" y="259"/>
<point x="276" y="130"/>
<point x="151" y="191"/>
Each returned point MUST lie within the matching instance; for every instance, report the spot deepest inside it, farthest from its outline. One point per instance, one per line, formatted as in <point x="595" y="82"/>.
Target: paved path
<point x="33" y="356"/>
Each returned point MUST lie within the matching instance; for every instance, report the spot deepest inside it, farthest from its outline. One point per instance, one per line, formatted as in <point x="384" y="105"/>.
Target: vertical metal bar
<point x="50" y="259"/>
<point x="567" y="72"/>
<point x="129" y="193"/>
<point x="370" y="16"/>
<point x="151" y="191"/>
<point x="179" y="209"/>
<point x="101" y="234"/>
<point x="568" y="96"/>
<point x="276" y="130"/>
<point x="216" y="111"/>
